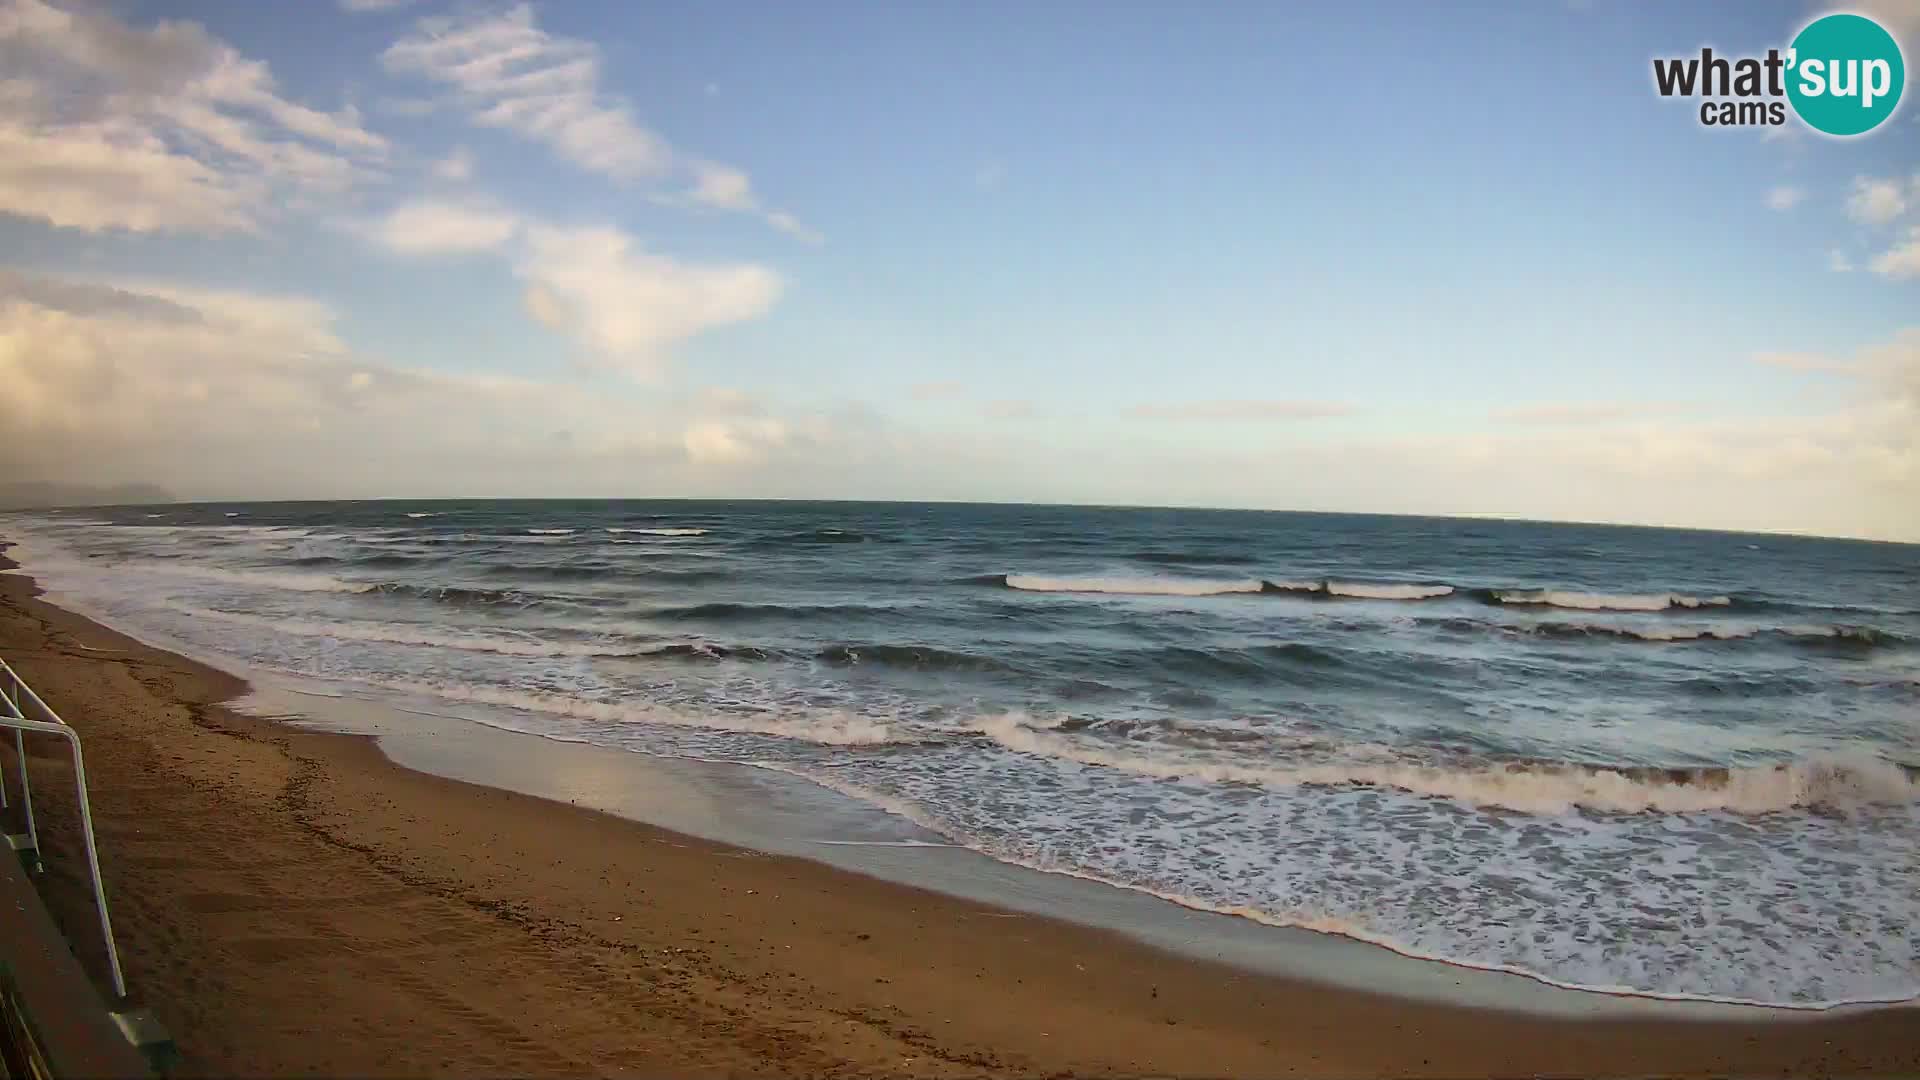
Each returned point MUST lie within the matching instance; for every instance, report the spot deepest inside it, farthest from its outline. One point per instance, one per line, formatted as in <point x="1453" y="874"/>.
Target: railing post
<point x="93" y="867"/>
<point x="26" y="797"/>
<point x="53" y="725"/>
<point x="12" y="697"/>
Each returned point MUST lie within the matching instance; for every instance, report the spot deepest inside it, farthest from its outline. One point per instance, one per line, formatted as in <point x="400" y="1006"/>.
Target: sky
<point x="1430" y="259"/>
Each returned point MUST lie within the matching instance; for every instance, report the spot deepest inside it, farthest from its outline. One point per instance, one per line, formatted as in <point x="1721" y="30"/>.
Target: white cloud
<point x="1802" y="362"/>
<point x="1838" y="262"/>
<point x="1785" y="197"/>
<point x="627" y="305"/>
<point x="1240" y="410"/>
<point x="105" y="125"/>
<point x="1594" y="412"/>
<point x="1902" y="260"/>
<point x="1010" y="409"/>
<point x="456" y="167"/>
<point x="936" y="390"/>
<point x="733" y="442"/>
<point x="360" y="7"/>
<point x="429" y="227"/>
<point x="225" y="393"/>
<point x="1876" y="201"/>
<point x="513" y="75"/>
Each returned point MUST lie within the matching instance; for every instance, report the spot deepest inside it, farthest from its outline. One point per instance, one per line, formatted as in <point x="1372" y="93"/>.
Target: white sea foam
<point x="422" y="514"/>
<point x="1153" y="586"/>
<point x="662" y="532"/>
<point x="550" y="532"/>
<point x="250" y="579"/>
<point x="402" y="634"/>
<point x="1586" y="601"/>
<point x="1373" y="591"/>
<point x="1832" y="782"/>
<point x="830" y="727"/>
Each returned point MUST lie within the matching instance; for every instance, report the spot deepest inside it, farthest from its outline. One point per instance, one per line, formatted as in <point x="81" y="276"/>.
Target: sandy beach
<point x="293" y="903"/>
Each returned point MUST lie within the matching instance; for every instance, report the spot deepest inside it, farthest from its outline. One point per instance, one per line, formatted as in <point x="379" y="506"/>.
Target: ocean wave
<point x="1864" y="637"/>
<point x="1825" y="782"/>
<point x="252" y="579"/>
<point x="1359" y="590"/>
<point x="815" y="536"/>
<point x="550" y="532"/>
<point x="1353" y="928"/>
<point x="393" y="634"/>
<point x="916" y="657"/>
<point x="725" y="611"/>
<point x="828" y="727"/>
<point x="451" y="594"/>
<point x="663" y="532"/>
<point x="1590" y="601"/>
<point x="704" y="650"/>
<point x="1191" y="558"/>
<point x="1128" y="586"/>
<point x="423" y="514"/>
<point x="530" y="537"/>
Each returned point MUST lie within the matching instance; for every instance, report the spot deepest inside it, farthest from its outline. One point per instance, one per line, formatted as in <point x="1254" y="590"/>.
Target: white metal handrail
<point x="14" y="695"/>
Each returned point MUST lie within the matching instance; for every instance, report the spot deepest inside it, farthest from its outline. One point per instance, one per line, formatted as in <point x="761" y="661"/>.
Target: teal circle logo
<point x="1845" y="74"/>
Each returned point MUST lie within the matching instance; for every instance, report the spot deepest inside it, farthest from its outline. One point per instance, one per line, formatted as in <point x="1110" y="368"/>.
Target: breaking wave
<point x="385" y="633"/>
<point x="1588" y="601"/>
<point x="662" y="532"/>
<point x="1128" y="586"/>
<point x="828" y="727"/>
<point x="1825" y="782"/>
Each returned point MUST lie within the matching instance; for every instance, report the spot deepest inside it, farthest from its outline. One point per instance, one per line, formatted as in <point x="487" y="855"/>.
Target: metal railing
<point x="15" y="697"/>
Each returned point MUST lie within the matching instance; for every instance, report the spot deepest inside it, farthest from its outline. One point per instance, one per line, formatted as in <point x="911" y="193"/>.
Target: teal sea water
<point x="1667" y="762"/>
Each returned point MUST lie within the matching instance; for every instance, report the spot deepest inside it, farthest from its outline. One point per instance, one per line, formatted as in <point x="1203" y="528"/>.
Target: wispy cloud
<point x="428" y="227"/>
<point x="1010" y="409"/>
<point x="1241" y="410"/>
<point x="1805" y="362"/>
<point x="106" y="125"/>
<point x="1902" y="260"/>
<point x="455" y="168"/>
<point x="1585" y="412"/>
<point x="1785" y="197"/>
<point x="1838" y="262"/>
<point x="595" y="285"/>
<point x="627" y="305"/>
<point x="511" y="74"/>
<point x="1875" y="201"/>
<point x="936" y="390"/>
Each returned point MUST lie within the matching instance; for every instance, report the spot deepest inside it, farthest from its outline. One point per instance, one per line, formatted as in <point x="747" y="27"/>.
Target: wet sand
<point x="294" y="903"/>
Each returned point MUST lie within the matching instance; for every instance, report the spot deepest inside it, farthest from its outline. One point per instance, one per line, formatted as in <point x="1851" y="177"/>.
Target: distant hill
<point x="30" y="495"/>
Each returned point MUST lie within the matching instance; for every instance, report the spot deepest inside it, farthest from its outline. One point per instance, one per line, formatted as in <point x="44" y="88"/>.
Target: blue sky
<point x="1403" y="259"/>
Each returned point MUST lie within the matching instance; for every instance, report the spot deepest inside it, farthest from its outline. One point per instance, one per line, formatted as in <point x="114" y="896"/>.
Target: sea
<point x="1661" y="762"/>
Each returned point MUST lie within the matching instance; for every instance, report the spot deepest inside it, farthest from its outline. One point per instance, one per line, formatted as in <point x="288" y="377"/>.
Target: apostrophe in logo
<point x="1843" y="75"/>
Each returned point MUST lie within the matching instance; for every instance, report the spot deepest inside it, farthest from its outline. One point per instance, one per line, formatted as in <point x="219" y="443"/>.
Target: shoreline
<point x="865" y="975"/>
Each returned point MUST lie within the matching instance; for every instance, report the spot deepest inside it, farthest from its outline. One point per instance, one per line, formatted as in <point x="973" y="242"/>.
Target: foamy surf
<point x="662" y="532"/>
<point x="1375" y="743"/>
<point x="1829" y="783"/>
<point x="1130" y="586"/>
<point x="828" y="727"/>
<point x="1586" y="601"/>
<point x="1357" y="929"/>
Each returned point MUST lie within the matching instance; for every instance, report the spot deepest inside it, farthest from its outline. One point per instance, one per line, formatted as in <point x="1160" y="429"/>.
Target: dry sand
<point x="294" y="903"/>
